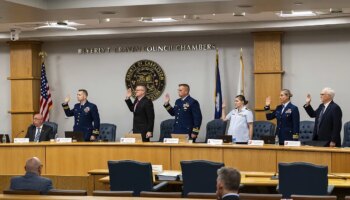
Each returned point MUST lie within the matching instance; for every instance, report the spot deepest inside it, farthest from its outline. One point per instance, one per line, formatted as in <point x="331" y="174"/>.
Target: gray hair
<point x="32" y="165"/>
<point x="230" y="177"/>
<point x="329" y="91"/>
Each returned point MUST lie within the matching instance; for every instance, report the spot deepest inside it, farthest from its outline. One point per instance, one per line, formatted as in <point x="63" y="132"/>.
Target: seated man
<point x="227" y="183"/>
<point x="32" y="180"/>
<point x="38" y="131"/>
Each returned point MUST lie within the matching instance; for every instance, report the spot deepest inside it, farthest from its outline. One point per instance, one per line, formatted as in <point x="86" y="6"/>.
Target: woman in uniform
<point x="241" y="121"/>
<point x="287" y="116"/>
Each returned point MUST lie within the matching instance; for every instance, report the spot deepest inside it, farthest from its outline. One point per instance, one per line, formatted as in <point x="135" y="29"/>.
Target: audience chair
<point x="198" y="195"/>
<point x="313" y="197"/>
<point x="215" y="129"/>
<point x="346" y="139"/>
<point x="161" y="194"/>
<point x="246" y="196"/>
<point x="261" y="128"/>
<point x="166" y="128"/>
<point x="301" y="178"/>
<point x="306" y="131"/>
<point x="54" y="127"/>
<point x="199" y="176"/>
<point x="22" y="192"/>
<point x="112" y="193"/>
<point x="60" y="192"/>
<point x="128" y="175"/>
<point x="107" y="132"/>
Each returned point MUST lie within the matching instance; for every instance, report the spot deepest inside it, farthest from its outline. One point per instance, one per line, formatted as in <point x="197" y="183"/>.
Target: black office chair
<point x="107" y="132"/>
<point x="346" y="139"/>
<point x="166" y="128"/>
<point x="199" y="176"/>
<point x="262" y="128"/>
<point x="215" y="129"/>
<point x="54" y="127"/>
<point x="306" y="130"/>
<point x="129" y="175"/>
<point x="301" y="178"/>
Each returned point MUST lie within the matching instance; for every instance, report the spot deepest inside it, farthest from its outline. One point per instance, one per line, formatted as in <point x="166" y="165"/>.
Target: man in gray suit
<point x="32" y="180"/>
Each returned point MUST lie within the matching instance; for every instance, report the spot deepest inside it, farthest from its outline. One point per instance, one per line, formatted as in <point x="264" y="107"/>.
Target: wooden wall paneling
<point x="340" y="162"/>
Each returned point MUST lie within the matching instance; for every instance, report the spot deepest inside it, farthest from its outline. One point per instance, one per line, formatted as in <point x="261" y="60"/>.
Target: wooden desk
<point x="39" y="197"/>
<point x="76" y="159"/>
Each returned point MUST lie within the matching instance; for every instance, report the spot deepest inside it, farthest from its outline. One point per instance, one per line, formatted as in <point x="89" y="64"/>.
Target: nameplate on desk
<point x="292" y="143"/>
<point x="157" y="168"/>
<point x="171" y="140"/>
<point x="21" y="140"/>
<point x="215" y="141"/>
<point x="256" y="142"/>
<point x="64" y="140"/>
<point x="128" y="140"/>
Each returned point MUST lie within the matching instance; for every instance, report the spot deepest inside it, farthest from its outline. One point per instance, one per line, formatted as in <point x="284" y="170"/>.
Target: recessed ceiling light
<point x="298" y="3"/>
<point x="296" y="14"/>
<point x="61" y="25"/>
<point x="107" y="12"/>
<point x="157" y="19"/>
<point x="213" y="14"/>
<point x="242" y="14"/>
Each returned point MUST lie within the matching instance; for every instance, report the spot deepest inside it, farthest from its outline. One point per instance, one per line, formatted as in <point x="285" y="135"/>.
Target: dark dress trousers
<point x="188" y="115"/>
<point x="46" y="133"/>
<point x="86" y="118"/>
<point x="287" y="122"/>
<point x="329" y="126"/>
<point x="31" y="181"/>
<point x="143" y="121"/>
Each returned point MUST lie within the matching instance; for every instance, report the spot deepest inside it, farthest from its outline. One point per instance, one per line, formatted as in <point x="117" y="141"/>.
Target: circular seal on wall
<point x="148" y="73"/>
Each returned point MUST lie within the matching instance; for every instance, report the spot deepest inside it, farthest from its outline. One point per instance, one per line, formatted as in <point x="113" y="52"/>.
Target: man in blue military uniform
<point x="187" y="112"/>
<point x="86" y="117"/>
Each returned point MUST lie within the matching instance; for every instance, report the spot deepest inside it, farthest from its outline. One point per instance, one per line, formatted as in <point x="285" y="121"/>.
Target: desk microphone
<point x="337" y="176"/>
<point x="17" y="134"/>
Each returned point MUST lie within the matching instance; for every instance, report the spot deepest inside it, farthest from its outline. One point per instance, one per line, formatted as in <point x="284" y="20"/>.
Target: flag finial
<point x="42" y="55"/>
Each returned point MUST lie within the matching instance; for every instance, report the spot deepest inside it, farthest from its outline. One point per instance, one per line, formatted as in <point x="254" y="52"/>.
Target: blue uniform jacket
<point x="287" y="122"/>
<point x="31" y="181"/>
<point x="86" y="118"/>
<point x="188" y="115"/>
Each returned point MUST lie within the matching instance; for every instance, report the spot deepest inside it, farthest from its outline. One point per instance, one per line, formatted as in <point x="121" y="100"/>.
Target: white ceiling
<point x="193" y="17"/>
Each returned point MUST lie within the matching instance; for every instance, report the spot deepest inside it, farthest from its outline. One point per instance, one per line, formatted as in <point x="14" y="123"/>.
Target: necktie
<point x="135" y="104"/>
<point x="320" y="117"/>
<point x="37" y="135"/>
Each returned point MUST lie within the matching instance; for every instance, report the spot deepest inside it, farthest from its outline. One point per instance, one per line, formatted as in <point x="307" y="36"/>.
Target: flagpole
<point x="242" y="73"/>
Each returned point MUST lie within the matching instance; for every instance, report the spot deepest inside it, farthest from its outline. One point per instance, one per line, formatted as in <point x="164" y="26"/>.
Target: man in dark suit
<point x="143" y="110"/>
<point x="38" y="131"/>
<point x="86" y="116"/>
<point x="227" y="183"/>
<point x="32" y="180"/>
<point x="328" y="122"/>
<point x="187" y="112"/>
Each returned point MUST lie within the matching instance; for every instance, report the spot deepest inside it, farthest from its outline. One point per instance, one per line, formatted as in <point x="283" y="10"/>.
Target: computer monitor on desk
<point x="75" y="135"/>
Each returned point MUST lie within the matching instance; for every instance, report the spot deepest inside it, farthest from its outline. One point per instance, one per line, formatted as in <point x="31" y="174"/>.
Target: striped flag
<point x="217" y="94"/>
<point x="45" y="95"/>
<point x="240" y="86"/>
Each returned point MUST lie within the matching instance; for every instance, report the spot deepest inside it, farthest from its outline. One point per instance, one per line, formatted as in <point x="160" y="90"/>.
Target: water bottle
<point x="233" y="140"/>
<point x="56" y="136"/>
<point x="277" y="142"/>
<point x="3" y="138"/>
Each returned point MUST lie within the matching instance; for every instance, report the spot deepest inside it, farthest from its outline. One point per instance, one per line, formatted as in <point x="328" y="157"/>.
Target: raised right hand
<point x="268" y="101"/>
<point x="166" y="98"/>
<point x="128" y="93"/>
<point x="67" y="99"/>
<point x="308" y="99"/>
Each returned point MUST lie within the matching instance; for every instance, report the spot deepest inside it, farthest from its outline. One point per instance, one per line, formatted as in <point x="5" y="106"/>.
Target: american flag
<point x="45" y="96"/>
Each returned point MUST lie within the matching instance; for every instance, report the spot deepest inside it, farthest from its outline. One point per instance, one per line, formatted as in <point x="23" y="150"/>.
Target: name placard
<point x="157" y="168"/>
<point x="171" y="140"/>
<point x="292" y="143"/>
<point x="64" y="140"/>
<point x="215" y="141"/>
<point x="256" y="142"/>
<point x="128" y="140"/>
<point x="21" y="140"/>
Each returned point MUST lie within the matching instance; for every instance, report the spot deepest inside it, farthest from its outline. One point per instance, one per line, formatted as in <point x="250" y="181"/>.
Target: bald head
<point x="33" y="165"/>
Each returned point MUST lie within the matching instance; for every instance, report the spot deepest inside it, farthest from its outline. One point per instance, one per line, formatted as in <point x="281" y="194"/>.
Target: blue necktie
<point x="37" y="135"/>
<point x="320" y="118"/>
